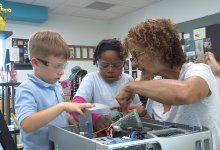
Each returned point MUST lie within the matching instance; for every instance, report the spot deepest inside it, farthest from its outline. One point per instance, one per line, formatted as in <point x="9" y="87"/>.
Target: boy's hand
<point x="101" y="123"/>
<point x="76" y="107"/>
<point x="71" y="120"/>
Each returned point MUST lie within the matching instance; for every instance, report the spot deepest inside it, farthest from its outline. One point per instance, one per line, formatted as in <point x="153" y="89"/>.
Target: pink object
<point x="64" y="84"/>
<point x="13" y="74"/>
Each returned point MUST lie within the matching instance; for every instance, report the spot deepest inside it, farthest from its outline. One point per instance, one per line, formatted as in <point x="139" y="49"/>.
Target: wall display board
<point x="126" y="65"/>
<point x="213" y="34"/>
<point x="129" y="69"/>
<point x="19" y="51"/>
<point x="81" y="52"/>
<point x="204" y="35"/>
<point x="134" y="72"/>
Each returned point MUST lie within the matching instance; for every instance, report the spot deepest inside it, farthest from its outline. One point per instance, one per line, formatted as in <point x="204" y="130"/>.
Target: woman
<point x="190" y="89"/>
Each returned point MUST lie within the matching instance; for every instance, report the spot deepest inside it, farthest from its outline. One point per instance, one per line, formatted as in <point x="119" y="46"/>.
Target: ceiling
<point x="95" y="9"/>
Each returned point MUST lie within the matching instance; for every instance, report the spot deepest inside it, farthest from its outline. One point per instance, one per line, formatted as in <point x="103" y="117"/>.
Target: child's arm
<point x="40" y="119"/>
<point x="78" y="99"/>
<point x="99" y="121"/>
<point x="214" y="64"/>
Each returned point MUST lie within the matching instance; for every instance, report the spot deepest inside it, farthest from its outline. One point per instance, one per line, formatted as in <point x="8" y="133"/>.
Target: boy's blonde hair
<point x="43" y="44"/>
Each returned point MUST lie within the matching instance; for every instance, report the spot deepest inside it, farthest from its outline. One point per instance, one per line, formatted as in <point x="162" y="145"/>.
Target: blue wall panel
<point x="26" y="12"/>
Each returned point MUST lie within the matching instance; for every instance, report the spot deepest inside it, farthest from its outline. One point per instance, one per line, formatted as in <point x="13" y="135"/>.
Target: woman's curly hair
<point x="160" y="38"/>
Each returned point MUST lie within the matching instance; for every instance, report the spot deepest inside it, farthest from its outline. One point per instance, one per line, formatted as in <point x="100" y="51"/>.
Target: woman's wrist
<point x="143" y="113"/>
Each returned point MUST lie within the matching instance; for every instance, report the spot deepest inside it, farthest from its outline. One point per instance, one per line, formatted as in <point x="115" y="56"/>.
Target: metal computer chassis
<point x="160" y="136"/>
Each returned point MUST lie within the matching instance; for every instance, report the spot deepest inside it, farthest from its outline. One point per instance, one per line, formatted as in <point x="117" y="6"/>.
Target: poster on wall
<point x="22" y="45"/>
<point x="134" y="68"/>
<point x="84" y="52"/>
<point x="187" y="48"/>
<point x="14" y="54"/>
<point x="72" y="54"/>
<point x="181" y="37"/>
<point x="199" y="47"/>
<point x="91" y="52"/>
<point x="199" y="33"/>
<point x="81" y="52"/>
<point x="186" y="36"/>
<point x="134" y="74"/>
<point x="126" y="65"/>
<point x="207" y="45"/>
<point x="126" y="71"/>
<point x="190" y="56"/>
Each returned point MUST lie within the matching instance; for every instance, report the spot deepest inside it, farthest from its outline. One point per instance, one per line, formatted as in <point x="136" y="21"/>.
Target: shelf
<point x="9" y="83"/>
<point x="5" y="34"/>
<point x="21" y="66"/>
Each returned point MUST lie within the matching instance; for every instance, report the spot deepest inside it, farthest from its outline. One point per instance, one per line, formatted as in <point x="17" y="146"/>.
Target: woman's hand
<point x="124" y="99"/>
<point x="140" y="109"/>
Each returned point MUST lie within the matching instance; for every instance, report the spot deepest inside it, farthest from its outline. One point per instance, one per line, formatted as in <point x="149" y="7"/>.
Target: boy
<point x="39" y="101"/>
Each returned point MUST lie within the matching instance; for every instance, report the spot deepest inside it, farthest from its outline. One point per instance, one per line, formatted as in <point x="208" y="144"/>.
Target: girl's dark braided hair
<point x="108" y="44"/>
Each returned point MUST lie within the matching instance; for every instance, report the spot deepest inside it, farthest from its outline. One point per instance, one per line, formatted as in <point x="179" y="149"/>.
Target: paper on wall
<point x="199" y="33"/>
<point x="186" y="36"/>
<point x="14" y="54"/>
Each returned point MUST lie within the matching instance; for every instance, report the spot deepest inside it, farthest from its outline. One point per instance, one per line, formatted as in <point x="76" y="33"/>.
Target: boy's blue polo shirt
<point x="34" y="95"/>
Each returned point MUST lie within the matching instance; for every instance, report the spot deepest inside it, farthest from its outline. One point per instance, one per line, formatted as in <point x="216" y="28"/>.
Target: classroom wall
<point x="176" y="10"/>
<point x="82" y="31"/>
<point x="212" y="30"/>
<point x="75" y="30"/>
